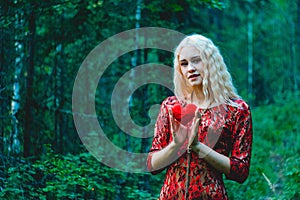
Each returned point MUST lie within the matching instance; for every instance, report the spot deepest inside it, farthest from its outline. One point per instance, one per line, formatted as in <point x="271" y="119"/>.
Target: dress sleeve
<point x="241" y="146"/>
<point x="161" y="136"/>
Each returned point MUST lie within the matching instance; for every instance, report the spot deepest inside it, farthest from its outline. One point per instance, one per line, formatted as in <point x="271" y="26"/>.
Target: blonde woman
<point x="218" y="138"/>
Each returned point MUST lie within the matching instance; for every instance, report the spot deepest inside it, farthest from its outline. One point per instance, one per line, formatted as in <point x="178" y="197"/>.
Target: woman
<point x="216" y="141"/>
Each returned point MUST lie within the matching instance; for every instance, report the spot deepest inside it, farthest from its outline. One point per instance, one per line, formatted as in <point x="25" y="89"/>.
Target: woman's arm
<point x="241" y="147"/>
<point x="236" y="167"/>
<point x="215" y="159"/>
<point x="164" y="157"/>
<point x="172" y="151"/>
<point x="180" y="135"/>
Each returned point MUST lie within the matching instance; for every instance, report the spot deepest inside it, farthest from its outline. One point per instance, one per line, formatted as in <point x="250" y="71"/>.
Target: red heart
<point x="184" y="114"/>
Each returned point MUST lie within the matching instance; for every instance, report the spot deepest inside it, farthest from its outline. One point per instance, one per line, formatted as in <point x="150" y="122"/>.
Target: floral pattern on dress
<point x="227" y="129"/>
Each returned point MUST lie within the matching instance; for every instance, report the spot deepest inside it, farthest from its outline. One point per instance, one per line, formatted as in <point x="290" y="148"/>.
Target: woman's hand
<point x="179" y="132"/>
<point x="193" y="136"/>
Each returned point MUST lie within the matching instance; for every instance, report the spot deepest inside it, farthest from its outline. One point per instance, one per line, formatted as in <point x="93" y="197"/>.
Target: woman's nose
<point x="191" y="68"/>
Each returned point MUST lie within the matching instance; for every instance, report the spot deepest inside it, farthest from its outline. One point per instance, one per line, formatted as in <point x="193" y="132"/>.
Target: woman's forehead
<point x="188" y="53"/>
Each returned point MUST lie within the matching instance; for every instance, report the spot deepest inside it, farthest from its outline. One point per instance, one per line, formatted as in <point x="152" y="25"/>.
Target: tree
<point x="6" y="74"/>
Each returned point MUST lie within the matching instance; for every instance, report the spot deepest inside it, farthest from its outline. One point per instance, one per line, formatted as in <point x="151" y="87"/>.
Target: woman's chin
<point x="195" y="83"/>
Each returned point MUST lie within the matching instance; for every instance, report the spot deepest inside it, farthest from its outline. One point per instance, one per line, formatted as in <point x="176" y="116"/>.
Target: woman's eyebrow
<point x="194" y="57"/>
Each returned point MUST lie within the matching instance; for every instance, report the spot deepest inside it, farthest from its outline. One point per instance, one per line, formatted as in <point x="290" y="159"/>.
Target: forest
<point x="45" y="45"/>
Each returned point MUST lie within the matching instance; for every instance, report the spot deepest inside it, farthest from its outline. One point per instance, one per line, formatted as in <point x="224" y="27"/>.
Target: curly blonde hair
<point x="217" y="84"/>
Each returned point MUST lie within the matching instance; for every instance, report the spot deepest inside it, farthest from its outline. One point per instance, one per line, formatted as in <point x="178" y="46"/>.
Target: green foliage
<point x="66" y="31"/>
<point x="71" y="177"/>
<point x="274" y="172"/>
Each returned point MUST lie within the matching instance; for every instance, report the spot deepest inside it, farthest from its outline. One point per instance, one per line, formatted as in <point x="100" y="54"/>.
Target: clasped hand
<point x="182" y="133"/>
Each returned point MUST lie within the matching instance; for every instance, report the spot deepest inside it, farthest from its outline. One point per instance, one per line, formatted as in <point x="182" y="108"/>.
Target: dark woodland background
<point x="44" y="43"/>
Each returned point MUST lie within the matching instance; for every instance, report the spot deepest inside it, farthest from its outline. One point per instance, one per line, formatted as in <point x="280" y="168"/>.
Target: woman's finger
<point x="171" y="122"/>
<point x="171" y="118"/>
<point x="198" y="114"/>
<point x="194" y="131"/>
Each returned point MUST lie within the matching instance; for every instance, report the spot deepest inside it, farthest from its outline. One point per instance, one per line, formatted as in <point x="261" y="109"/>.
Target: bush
<point x="70" y="177"/>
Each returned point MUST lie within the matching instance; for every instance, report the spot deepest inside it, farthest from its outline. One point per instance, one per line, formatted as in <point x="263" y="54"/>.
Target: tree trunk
<point x="14" y="144"/>
<point x="59" y="100"/>
<point x="297" y="50"/>
<point x="56" y="100"/>
<point x="4" y="38"/>
<point x="250" y="54"/>
<point x="135" y="59"/>
<point x="29" y="107"/>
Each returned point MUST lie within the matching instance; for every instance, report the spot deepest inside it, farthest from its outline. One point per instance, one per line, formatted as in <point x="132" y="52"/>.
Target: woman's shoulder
<point x="170" y="101"/>
<point x="241" y="105"/>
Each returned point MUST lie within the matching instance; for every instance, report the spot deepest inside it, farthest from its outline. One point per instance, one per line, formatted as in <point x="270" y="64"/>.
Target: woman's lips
<point x="193" y="76"/>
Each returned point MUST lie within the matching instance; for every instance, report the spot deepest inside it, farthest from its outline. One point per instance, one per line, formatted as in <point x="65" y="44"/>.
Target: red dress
<point x="228" y="130"/>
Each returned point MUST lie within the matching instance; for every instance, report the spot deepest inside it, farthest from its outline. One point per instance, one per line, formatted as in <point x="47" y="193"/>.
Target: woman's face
<point x="191" y="65"/>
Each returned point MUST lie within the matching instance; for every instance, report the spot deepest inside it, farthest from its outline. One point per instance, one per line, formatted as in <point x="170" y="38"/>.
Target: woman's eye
<point x="196" y="61"/>
<point x="183" y="64"/>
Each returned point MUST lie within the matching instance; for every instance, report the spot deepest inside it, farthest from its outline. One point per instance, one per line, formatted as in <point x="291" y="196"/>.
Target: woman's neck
<point x="197" y="97"/>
